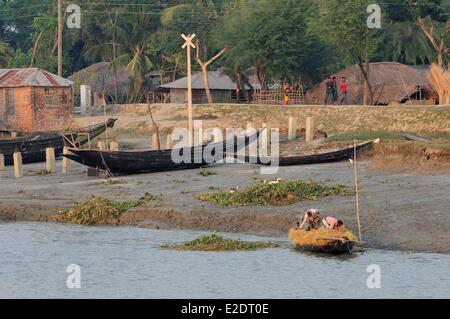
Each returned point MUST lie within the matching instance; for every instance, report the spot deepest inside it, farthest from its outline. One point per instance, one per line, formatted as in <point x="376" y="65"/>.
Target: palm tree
<point x="131" y="49"/>
<point x="408" y="43"/>
<point x="5" y="54"/>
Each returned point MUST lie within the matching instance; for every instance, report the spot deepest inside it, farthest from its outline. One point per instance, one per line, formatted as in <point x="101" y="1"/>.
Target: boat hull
<point x="326" y="156"/>
<point x="33" y="147"/>
<point x="138" y="162"/>
<point x="333" y="248"/>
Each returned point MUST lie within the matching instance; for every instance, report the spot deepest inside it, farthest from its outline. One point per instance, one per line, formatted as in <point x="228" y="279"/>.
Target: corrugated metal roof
<point x="31" y="77"/>
<point x="217" y="81"/>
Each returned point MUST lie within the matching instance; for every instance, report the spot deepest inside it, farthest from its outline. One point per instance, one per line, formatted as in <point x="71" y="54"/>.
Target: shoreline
<point x="400" y="211"/>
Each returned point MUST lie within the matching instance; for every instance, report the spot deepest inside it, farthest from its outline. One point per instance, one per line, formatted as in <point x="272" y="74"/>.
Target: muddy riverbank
<point x="403" y="211"/>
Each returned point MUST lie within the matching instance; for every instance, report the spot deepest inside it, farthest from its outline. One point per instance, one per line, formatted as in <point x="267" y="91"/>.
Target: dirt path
<point x="399" y="211"/>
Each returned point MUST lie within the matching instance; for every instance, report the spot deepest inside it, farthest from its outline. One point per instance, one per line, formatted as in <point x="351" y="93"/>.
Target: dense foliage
<point x="278" y="40"/>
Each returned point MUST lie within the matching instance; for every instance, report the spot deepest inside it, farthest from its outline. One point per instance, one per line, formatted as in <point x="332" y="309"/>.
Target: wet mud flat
<point x="402" y="211"/>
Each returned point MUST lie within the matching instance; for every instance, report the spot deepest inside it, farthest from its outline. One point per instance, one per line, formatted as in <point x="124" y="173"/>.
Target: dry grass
<point x="316" y="237"/>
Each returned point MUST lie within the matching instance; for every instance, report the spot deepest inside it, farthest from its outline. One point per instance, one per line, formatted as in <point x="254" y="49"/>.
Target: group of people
<point x="331" y="91"/>
<point x="313" y="220"/>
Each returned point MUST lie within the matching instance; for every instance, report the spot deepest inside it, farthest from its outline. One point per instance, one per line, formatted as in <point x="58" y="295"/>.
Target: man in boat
<point x="312" y="218"/>
<point x="332" y="223"/>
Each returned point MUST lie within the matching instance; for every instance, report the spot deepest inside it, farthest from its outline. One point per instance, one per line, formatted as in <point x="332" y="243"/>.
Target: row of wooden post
<point x="114" y="146"/>
<point x="292" y="133"/>
<point x="309" y="131"/>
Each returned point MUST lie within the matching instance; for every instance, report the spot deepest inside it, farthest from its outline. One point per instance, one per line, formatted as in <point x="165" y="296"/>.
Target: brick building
<point x="34" y="100"/>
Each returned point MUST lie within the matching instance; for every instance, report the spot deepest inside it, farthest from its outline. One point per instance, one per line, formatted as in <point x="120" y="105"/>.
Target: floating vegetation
<point x="100" y="211"/>
<point x="205" y="172"/>
<point x="215" y="242"/>
<point x="282" y="193"/>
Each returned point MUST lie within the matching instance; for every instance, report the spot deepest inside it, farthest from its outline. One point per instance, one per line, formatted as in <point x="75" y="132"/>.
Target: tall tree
<point x="5" y="54"/>
<point x="344" y="25"/>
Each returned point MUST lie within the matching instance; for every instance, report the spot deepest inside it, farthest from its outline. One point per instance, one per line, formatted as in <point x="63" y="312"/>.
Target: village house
<point x="223" y="89"/>
<point x="34" y="100"/>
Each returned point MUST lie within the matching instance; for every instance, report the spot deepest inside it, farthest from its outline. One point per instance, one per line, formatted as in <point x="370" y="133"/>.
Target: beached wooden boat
<point x="315" y="157"/>
<point x="322" y="241"/>
<point x="416" y="138"/>
<point x="33" y="146"/>
<point x="137" y="162"/>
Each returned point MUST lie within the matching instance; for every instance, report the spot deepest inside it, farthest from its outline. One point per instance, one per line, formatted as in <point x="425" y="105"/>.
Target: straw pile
<point x="316" y="237"/>
<point x="440" y="81"/>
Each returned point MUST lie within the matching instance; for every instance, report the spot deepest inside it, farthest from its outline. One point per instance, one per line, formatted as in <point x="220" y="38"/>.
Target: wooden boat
<point x="336" y="247"/>
<point x="315" y="157"/>
<point x="137" y="162"/>
<point x="33" y="146"/>
<point x="416" y="138"/>
<point x="336" y="243"/>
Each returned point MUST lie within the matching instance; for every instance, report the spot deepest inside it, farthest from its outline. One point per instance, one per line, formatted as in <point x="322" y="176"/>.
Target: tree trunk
<point x="204" y="67"/>
<point x="368" y="94"/>
<point x="36" y="45"/>
<point x="206" y="81"/>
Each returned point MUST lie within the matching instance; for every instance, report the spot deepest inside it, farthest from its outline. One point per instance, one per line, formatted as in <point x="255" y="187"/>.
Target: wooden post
<point x="169" y="142"/>
<point x="65" y="161"/>
<point x="188" y="45"/>
<point x="155" y="142"/>
<point x="217" y="135"/>
<point x="264" y="140"/>
<point x="2" y="162"/>
<point x="198" y="133"/>
<point x="114" y="146"/>
<point x="292" y="135"/>
<point x="50" y="159"/>
<point x="101" y="145"/>
<point x="309" y="129"/>
<point x="253" y="146"/>
<point x="17" y="158"/>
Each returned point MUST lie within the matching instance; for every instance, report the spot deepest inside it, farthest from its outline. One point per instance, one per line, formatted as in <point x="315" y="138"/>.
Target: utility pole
<point x="60" y="31"/>
<point x="188" y="45"/>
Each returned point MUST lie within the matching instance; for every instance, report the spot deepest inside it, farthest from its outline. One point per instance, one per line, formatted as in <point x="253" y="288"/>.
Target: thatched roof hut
<point x="391" y="82"/>
<point x="100" y="78"/>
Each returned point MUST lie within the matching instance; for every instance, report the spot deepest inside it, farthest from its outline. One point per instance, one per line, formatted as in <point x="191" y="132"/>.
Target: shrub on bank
<point x="100" y="211"/>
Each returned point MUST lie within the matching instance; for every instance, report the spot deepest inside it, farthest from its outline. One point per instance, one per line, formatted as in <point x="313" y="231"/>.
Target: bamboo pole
<point x="357" y="190"/>
<point x="188" y="45"/>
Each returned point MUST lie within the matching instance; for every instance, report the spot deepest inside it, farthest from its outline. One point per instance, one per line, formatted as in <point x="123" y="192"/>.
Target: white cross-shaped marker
<point x="188" y="39"/>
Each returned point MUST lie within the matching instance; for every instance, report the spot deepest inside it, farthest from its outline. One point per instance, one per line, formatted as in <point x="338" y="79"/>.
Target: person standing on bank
<point x="329" y="94"/>
<point x="344" y="90"/>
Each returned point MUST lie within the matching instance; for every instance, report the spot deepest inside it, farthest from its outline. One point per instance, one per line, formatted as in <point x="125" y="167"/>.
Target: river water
<point x="126" y="262"/>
